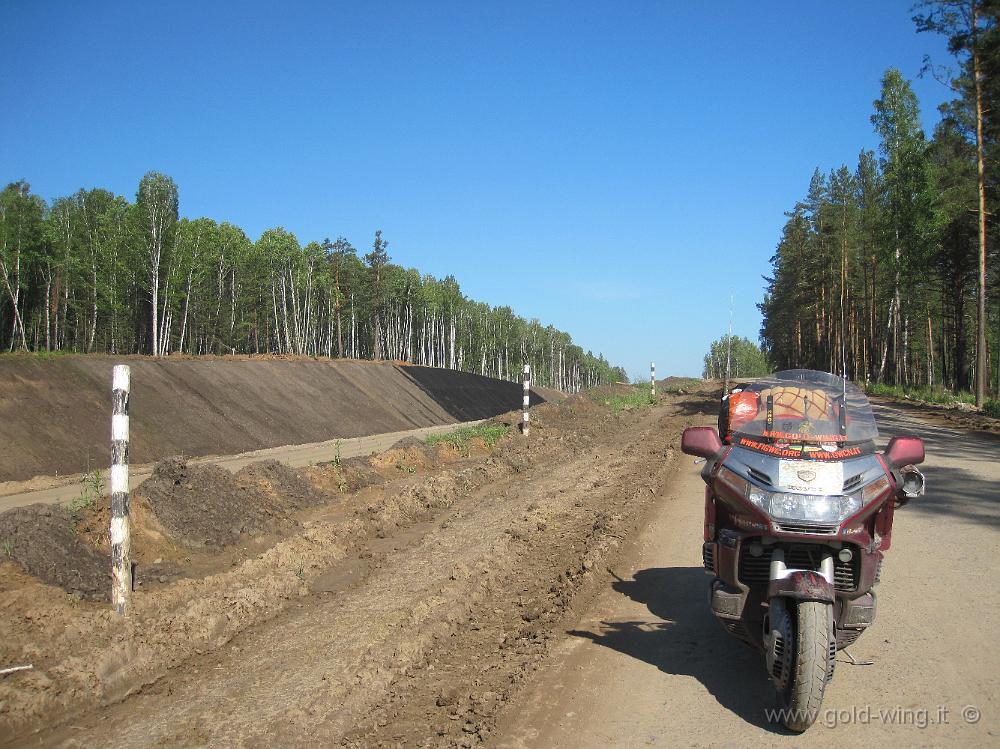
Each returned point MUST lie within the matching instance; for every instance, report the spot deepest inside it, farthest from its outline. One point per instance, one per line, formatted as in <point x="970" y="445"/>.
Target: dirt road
<point x="648" y="665"/>
<point x="292" y="455"/>
<point x="546" y="593"/>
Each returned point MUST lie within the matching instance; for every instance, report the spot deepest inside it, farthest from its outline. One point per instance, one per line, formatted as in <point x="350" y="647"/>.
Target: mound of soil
<point x="404" y="457"/>
<point x="207" y="505"/>
<point x="410" y="442"/>
<point x="359" y="474"/>
<point x="42" y="539"/>
<point x="288" y="486"/>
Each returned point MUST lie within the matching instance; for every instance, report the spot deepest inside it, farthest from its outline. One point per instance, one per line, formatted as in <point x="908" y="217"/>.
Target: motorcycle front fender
<point x="802" y="585"/>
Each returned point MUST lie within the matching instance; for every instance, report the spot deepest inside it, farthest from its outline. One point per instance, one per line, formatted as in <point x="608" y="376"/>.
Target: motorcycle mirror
<point x="905" y="451"/>
<point x="701" y="441"/>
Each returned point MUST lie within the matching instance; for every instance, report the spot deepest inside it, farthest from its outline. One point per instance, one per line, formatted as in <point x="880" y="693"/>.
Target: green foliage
<point x="490" y="434"/>
<point x="625" y="398"/>
<point x="875" y="272"/>
<point x="93" y="490"/>
<point x="938" y="395"/>
<point x="680" y="385"/>
<point x="745" y="359"/>
<point x="42" y="355"/>
<point x="929" y="395"/>
<point x="93" y="272"/>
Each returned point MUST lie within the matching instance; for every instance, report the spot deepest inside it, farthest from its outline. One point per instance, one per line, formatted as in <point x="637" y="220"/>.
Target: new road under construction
<point x="368" y="554"/>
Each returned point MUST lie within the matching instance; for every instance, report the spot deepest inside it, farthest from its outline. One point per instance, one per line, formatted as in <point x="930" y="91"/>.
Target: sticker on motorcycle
<point x="811" y="476"/>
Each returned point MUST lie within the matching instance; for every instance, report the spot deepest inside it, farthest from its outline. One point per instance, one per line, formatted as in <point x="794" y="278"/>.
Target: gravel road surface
<point x="648" y="665"/>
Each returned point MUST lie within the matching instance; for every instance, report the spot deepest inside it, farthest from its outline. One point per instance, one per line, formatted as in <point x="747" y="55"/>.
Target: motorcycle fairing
<point x="782" y="474"/>
<point x="803" y="585"/>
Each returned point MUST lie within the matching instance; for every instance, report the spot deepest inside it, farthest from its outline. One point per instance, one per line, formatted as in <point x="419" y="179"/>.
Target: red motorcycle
<point x="798" y="516"/>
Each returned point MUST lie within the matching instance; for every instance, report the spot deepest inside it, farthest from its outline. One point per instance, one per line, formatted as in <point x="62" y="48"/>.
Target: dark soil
<point x="357" y="474"/>
<point x="43" y="540"/>
<point x="208" y="506"/>
<point x="295" y="490"/>
<point x="410" y="442"/>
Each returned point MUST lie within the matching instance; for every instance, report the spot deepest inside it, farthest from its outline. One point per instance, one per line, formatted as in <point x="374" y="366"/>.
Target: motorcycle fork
<point x="786" y="587"/>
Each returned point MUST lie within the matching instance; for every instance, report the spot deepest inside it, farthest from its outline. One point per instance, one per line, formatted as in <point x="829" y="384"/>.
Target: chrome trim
<point x="805" y="527"/>
<point x="779" y="571"/>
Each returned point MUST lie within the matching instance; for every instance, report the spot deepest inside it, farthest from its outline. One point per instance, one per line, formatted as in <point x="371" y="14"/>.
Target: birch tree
<point x="156" y="215"/>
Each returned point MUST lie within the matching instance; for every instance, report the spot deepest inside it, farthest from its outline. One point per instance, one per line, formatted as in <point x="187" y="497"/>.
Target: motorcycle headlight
<point x="816" y="508"/>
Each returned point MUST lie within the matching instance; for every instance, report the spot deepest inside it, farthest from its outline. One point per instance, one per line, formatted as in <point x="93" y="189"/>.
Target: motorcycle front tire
<point x="812" y="665"/>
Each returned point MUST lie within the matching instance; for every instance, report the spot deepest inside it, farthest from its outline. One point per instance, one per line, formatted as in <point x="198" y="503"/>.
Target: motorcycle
<point x="798" y="517"/>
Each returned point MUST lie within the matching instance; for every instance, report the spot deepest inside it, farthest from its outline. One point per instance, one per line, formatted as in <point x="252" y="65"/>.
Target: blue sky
<point x="614" y="169"/>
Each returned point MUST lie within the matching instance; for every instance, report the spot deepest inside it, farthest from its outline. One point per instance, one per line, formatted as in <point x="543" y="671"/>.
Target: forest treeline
<point x="889" y="269"/>
<point x="734" y="357"/>
<point x="93" y="272"/>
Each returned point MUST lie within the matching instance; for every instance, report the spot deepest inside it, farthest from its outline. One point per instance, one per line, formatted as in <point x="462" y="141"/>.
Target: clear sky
<point x="614" y="169"/>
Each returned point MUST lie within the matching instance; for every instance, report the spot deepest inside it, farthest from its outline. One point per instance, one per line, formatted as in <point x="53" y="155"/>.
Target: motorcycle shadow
<point x="689" y="641"/>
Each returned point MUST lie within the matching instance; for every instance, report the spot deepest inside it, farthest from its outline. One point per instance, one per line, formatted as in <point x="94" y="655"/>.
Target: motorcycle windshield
<point x="802" y="406"/>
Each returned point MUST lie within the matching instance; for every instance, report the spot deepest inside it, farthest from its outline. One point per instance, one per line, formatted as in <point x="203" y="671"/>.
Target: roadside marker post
<point x="652" y="379"/>
<point x="527" y="389"/>
<point x="121" y="541"/>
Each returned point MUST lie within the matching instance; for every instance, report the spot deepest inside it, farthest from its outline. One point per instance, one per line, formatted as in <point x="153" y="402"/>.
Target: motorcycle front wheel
<point x="811" y="667"/>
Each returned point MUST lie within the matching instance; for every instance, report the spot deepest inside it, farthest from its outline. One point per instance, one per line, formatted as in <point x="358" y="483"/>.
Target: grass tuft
<point x="621" y="399"/>
<point x="93" y="489"/>
<point x="490" y="434"/>
<point x="677" y="386"/>
<point x="930" y="395"/>
<point x="41" y="355"/>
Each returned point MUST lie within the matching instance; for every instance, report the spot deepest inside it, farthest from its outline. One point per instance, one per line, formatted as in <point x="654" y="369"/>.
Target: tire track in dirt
<point x="591" y="503"/>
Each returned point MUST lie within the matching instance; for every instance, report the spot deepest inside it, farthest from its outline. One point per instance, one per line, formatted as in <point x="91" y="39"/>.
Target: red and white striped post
<point x="652" y="379"/>
<point x="527" y="390"/>
<point x="121" y="541"/>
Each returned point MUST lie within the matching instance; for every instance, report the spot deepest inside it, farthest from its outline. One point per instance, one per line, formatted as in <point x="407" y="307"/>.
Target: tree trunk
<point x="981" y="365"/>
<point x="340" y="337"/>
<point x="930" y="350"/>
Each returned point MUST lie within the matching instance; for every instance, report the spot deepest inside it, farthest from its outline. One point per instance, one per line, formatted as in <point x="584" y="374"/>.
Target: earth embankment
<point x="55" y="413"/>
